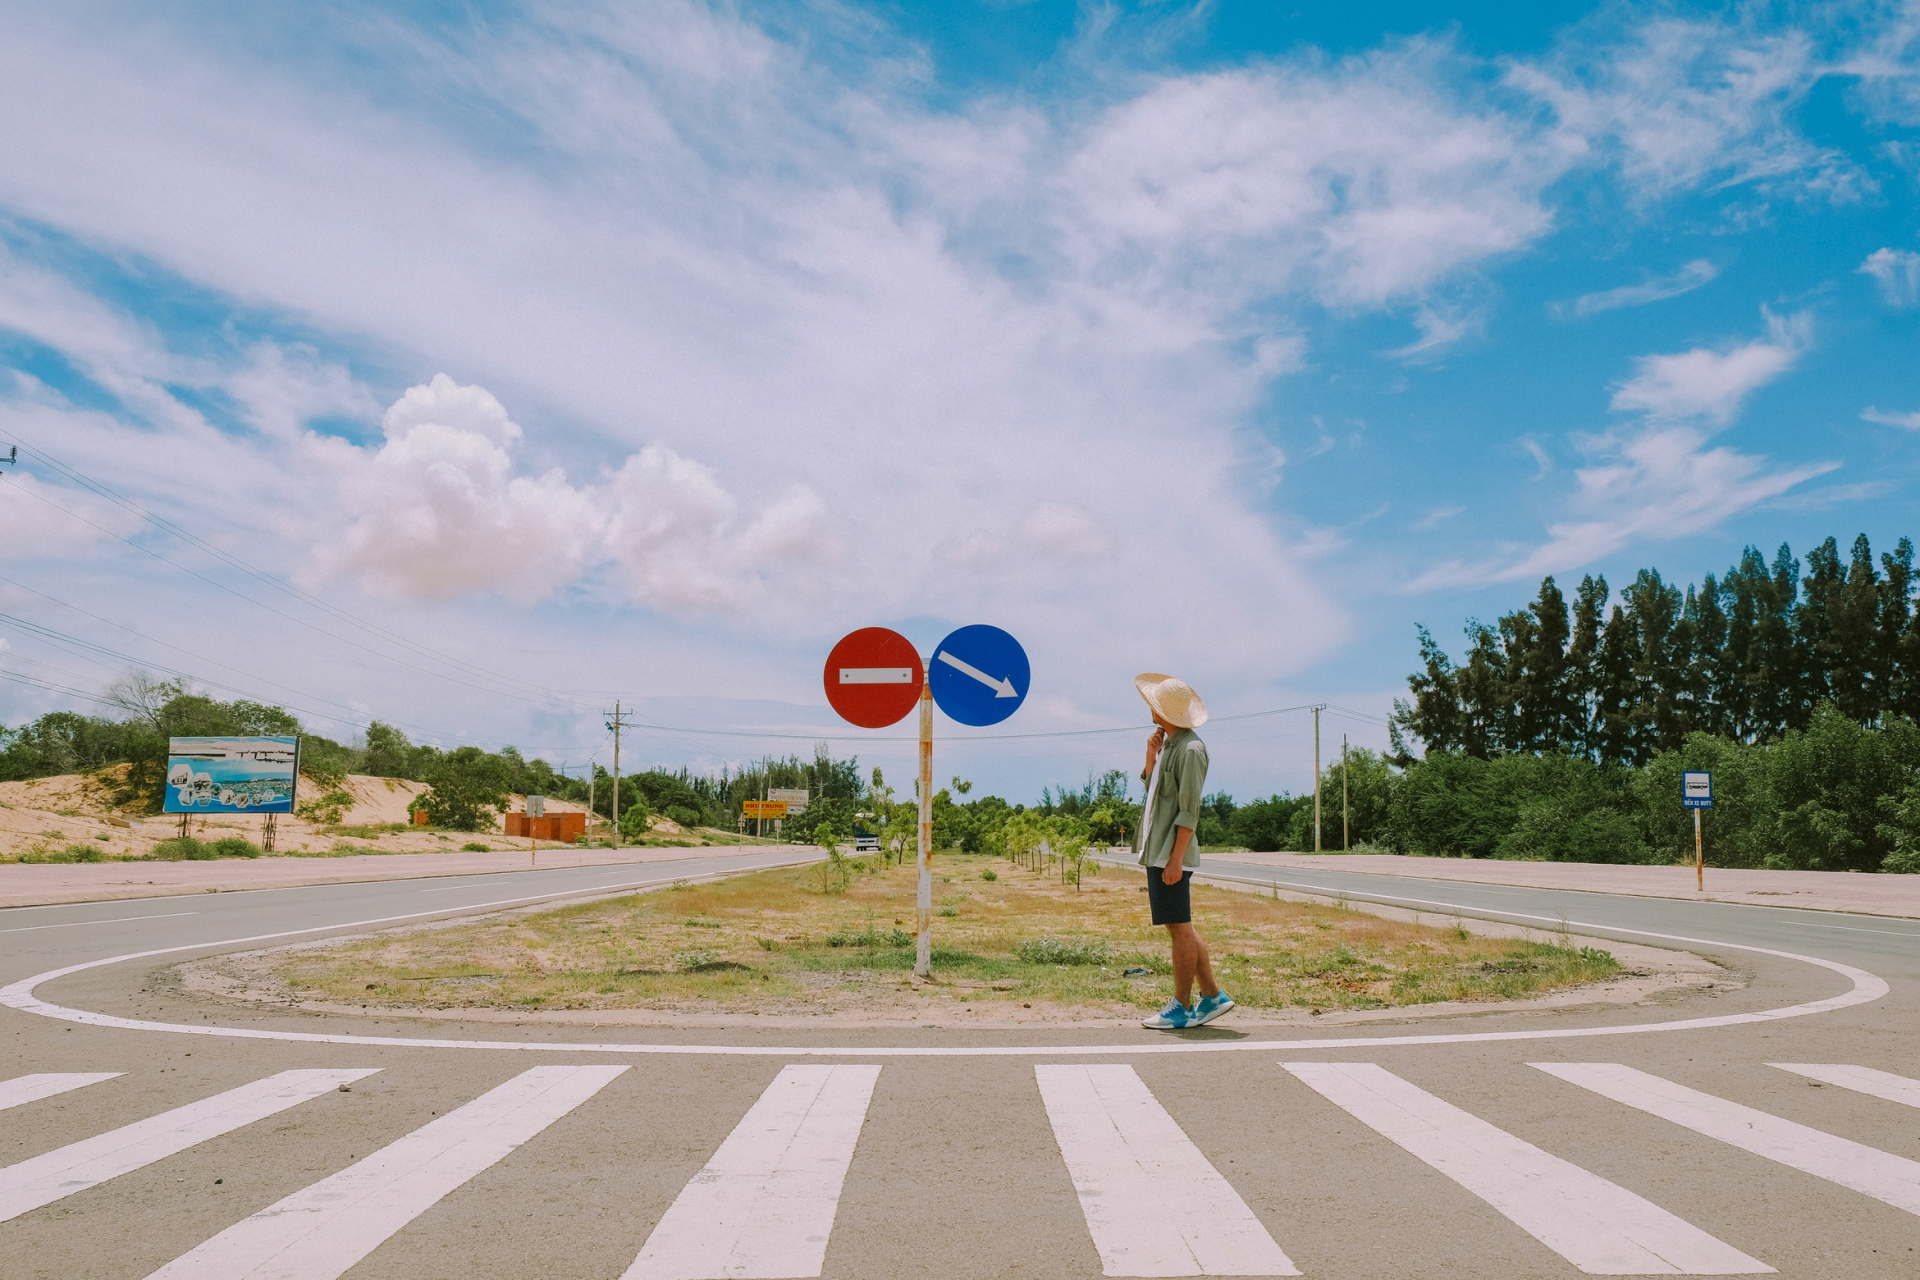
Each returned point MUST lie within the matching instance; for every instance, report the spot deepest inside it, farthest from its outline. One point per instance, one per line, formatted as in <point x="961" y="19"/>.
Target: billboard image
<point x="232" y="775"/>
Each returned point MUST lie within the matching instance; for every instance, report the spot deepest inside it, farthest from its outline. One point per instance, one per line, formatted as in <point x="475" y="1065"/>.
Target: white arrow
<point x="1002" y="688"/>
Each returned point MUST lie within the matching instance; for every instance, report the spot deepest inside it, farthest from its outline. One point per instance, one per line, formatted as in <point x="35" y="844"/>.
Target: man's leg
<point x="1190" y="960"/>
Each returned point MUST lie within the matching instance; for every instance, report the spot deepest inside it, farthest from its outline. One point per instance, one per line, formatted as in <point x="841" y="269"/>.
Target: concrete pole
<point x="1346" y="820"/>
<point x="616" y="774"/>
<point x="923" y="953"/>
<point x="1316" y="779"/>
<point x="1699" y="859"/>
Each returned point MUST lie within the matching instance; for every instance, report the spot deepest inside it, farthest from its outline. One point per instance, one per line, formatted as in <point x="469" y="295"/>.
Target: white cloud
<point x="1362" y="183"/>
<point x="1439" y="329"/>
<point x="1897" y="271"/>
<point x="1908" y="421"/>
<point x="1711" y="384"/>
<point x="1659" y="289"/>
<point x="39" y="519"/>
<point x="1677" y="104"/>
<point x="1649" y="485"/>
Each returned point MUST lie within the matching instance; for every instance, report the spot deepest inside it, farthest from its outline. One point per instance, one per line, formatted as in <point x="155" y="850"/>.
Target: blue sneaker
<point x="1211" y="1007"/>
<point x="1172" y="1018"/>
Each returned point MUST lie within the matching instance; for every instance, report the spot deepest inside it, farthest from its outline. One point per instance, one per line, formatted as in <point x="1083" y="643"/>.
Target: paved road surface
<point x="314" y="1147"/>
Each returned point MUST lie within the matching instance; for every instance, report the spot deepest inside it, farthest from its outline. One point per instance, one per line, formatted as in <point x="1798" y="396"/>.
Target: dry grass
<point x="773" y="942"/>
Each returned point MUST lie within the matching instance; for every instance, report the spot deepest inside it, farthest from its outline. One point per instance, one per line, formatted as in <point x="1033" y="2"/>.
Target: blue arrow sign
<point x="979" y="675"/>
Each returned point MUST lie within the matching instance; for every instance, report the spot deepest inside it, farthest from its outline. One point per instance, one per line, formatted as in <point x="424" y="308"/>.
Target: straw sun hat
<point x="1173" y="700"/>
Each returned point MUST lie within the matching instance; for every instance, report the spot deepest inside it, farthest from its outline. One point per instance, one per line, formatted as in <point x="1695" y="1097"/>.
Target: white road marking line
<point x="1879" y="1084"/>
<point x="1868" y="1170"/>
<point x="24" y="1089"/>
<point x="1598" y="1226"/>
<point x="1864" y="988"/>
<point x="764" y="1204"/>
<point x="1155" y="1206"/>
<point x="320" y="1231"/>
<point x="88" y="1163"/>
<point x="75" y="924"/>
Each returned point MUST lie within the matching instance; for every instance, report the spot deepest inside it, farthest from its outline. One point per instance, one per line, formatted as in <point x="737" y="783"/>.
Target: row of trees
<point x="1747" y="657"/>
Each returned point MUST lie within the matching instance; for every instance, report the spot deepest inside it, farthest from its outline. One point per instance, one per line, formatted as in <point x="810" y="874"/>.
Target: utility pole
<point x="616" y="724"/>
<point x="1346" y="822"/>
<point x="1316" y="779"/>
<point x="593" y="776"/>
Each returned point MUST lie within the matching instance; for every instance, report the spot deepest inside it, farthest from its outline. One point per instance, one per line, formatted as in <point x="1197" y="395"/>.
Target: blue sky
<point x="471" y="366"/>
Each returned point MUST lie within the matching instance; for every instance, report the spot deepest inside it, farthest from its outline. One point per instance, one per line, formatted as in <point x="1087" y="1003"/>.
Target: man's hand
<point x="1171" y="874"/>
<point x="1154" y="743"/>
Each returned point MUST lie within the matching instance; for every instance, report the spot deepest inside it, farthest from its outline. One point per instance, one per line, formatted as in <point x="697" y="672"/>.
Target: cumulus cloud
<point x="1711" y="384"/>
<point x="1659" y="289"/>
<point x="439" y="511"/>
<point x="1897" y="272"/>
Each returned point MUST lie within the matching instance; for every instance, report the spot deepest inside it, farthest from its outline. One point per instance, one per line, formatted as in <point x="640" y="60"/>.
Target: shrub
<point x="634" y="822"/>
<point x="1050" y="950"/>
<point x="326" y="809"/>
<point x="474" y="847"/>
<point x="684" y="816"/>
<point x="989" y="874"/>
<point x="233" y="847"/>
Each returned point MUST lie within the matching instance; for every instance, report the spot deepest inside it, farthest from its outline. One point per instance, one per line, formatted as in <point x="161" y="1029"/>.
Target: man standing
<point x="1167" y="848"/>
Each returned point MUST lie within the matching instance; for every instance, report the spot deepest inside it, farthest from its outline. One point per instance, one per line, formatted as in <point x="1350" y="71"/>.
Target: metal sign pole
<point x="1699" y="862"/>
<point x="923" y="953"/>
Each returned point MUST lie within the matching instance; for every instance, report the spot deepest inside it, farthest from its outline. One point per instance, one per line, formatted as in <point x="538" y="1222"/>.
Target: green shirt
<point x="1183" y="779"/>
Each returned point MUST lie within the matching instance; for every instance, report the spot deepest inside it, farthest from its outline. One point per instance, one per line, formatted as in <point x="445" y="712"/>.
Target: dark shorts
<point x="1171" y="903"/>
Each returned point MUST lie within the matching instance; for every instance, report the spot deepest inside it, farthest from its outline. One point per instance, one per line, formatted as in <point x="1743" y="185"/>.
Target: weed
<point x="72" y="853"/>
<point x="1049" y="950"/>
<point x="187" y="849"/>
<point x="870" y="937"/>
<point x="472" y="846"/>
<point x="688" y="960"/>
<point x="989" y="874"/>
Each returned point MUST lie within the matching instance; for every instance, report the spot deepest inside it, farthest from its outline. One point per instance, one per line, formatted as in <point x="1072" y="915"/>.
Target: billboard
<point x="795" y="797"/>
<point x="232" y="775"/>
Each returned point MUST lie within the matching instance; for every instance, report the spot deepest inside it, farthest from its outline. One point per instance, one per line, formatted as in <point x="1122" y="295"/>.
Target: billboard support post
<point x="267" y="825"/>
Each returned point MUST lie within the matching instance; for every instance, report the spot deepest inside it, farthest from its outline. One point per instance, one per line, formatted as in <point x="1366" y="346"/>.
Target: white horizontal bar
<point x="24" y="1089"/>
<point x="1598" y="1226"/>
<point x="49" y="1177"/>
<point x="1868" y="1170"/>
<point x="763" y="1207"/>
<point x="1878" y="1084"/>
<point x="319" y="1232"/>
<point x="876" y="675"/>
<point x="1155" y="1206"/>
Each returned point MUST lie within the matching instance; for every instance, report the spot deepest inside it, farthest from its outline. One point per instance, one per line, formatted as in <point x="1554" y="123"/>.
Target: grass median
<point x="805" y="940"/>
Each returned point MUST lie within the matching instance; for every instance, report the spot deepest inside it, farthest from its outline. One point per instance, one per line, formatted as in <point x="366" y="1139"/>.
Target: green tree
<point x="467" y="788"/>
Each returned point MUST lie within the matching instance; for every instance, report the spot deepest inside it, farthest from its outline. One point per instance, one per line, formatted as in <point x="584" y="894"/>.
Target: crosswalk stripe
<point x="1868" y="1170"/>
<point x="1879" y="1084"/>
<point x="46" y="1178"/>
<point x="1154" y="1204"/>
<point x="24" y="1089"/>
<point x="763" y="1206"/>
<point x="1598" y="1226"/>
<point x="320" y="1231"/>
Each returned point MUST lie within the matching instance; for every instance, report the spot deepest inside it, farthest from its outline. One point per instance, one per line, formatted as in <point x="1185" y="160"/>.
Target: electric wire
<point x="546" y="697"/>
<point x="269" y="579"/>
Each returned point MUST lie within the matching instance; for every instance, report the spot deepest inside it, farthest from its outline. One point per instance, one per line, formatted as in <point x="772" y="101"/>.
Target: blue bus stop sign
<point x="979" y="675"/>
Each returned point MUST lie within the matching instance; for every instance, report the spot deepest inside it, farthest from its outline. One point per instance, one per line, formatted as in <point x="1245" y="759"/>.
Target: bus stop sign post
<point x="1696" y="793"/>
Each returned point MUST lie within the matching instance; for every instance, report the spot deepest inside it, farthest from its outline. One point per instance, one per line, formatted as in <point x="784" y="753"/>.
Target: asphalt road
<point x="224" y="1145"/>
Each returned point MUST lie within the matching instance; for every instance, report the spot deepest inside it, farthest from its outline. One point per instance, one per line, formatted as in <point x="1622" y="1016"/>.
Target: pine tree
<point x="1583" y="655"/>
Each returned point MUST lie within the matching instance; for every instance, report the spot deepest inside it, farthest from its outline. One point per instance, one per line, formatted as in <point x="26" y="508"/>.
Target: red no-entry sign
<point x="873" y="677"/>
